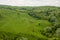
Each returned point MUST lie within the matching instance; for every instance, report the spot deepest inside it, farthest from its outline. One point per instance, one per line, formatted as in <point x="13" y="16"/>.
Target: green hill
<point x="28" y="23"/>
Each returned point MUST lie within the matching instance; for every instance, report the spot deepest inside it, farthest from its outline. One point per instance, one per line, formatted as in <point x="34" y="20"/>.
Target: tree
<point x="58" y="33"/>
<point x="52" y="19"/>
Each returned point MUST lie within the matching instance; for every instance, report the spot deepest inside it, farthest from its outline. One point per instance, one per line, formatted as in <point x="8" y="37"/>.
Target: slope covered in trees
<point x="29" y="23"/>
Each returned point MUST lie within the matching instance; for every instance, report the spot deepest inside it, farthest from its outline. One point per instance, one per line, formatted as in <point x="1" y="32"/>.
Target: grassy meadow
<point x="29" y="23"/>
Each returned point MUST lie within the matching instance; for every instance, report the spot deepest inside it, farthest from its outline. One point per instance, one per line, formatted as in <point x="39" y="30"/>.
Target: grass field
<point x="15" y="21"/>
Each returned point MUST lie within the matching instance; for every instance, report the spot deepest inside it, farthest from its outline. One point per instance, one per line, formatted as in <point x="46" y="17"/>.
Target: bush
<point x="52" y="19"/>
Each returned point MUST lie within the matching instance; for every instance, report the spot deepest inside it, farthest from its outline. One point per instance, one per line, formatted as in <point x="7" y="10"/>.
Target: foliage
<point x="29" y="23"/>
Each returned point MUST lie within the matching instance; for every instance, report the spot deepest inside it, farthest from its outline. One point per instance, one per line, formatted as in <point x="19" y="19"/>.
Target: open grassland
<point x="29" y="23"/>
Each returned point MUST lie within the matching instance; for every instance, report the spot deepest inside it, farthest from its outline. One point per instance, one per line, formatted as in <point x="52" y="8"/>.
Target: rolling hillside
<point x="28" y="23"/>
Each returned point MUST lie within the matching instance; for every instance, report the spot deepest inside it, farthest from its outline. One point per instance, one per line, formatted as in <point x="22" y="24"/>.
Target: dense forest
<point x="29" y="23"/>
